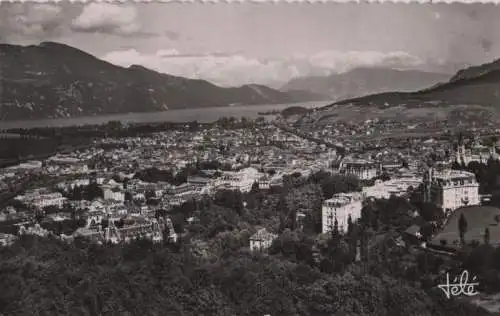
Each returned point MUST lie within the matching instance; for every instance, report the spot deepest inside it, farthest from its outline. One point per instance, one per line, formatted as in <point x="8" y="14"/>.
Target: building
<point x="242" y="180"/>
<point x="475" y="152"/>
<point x="262" y="240"/>
<point x="30" y="165"/>
<point x="361" y="168"/>
<point x="396" y="187"/>
<point x="300" y="218"/>
<point x="70" y="185"/>
<point x="40" y="200"/>
<point x="52" y="199"/>
<point x="264" y="182"/>
<point x="451" y="189"/>
<point x="34" y="230"/>
<point x="132" y="229"/>
<point x="7" y="239"/>
<point x="340" y="207"/>
<point x="113" y="193"/>
<point x="199" y="181"/>
<point x="183" y="189"/>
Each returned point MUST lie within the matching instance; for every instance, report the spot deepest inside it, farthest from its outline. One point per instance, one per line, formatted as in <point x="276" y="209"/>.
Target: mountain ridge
<point x="475" y="85"/>
<point x="54" y="80"/>
<point x="365" y="81"/>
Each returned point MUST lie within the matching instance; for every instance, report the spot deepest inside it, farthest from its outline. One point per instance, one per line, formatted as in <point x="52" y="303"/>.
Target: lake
<point x="202" y="115"/>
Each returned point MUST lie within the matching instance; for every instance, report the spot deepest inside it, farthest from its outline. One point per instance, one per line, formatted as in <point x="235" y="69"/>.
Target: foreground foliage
<point x="48" y="277"/>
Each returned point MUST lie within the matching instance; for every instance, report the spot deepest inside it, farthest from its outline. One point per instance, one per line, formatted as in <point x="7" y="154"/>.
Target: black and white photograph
<point x="252" y="158"/>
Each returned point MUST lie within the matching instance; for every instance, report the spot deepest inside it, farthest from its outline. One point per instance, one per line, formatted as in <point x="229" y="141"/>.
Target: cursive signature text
<point x="459" y="286"/>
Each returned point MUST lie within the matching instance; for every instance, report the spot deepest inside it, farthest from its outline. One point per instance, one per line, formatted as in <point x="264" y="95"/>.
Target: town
<point x="256" y="185"/>
<point x="250" y="159"/>
<point x="130" y="187"/>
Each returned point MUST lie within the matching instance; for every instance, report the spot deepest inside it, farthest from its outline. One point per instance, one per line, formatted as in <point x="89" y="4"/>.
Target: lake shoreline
<point x="202" y="115"/>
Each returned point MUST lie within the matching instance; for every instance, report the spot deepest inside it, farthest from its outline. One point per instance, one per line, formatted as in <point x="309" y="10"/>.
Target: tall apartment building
<point x="339" y="207"/>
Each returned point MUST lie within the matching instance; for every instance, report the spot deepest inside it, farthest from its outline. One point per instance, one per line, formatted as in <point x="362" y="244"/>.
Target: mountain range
<point x="53" y="80"/>
<point x="364" y="81"/>
<point x="477" y="85"/>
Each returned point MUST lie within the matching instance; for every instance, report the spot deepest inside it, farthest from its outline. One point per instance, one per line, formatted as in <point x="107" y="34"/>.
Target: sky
<point x="232" y="44"/>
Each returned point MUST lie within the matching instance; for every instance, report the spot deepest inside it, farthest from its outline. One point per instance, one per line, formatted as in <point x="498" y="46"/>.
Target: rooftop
<point x="263" y="234"/>
<point x="358" y="161"/>
<point x="453" y="174"/>
<point x="344" y="198"/>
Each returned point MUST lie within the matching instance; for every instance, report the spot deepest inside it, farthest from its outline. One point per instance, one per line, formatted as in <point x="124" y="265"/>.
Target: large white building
<point x="42" y="199"/>
<point x="397" y="187"/>
<point x="51" y="199"/>
<point x="451" y="189"/>
<point x="242" y="180"/>
<point x="361" y="168"/>
<point x="339" y="207"/>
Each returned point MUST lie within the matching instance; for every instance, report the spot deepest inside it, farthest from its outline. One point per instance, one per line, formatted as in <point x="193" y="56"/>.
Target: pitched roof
<point x="263" y="234"/>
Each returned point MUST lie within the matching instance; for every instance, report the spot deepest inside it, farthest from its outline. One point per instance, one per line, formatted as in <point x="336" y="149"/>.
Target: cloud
<point x="486" y="44"/>
<point x="237" y="69"/>
<point x="167" y="53"/>
<point x="107" y="18"/>
<point x="174" y="36"/>
<point x="344" y="61"/>
<point x="32" y="21"/>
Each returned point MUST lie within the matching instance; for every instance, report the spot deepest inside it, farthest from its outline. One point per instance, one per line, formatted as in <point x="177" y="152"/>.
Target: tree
<point x="150" y="194"/>
<point x="39" y="216"/>
<point x="427" y="231"/>
<point x="128" y="196"/>
<point x="456" y="165"/>
<point x="232" y="199"/>
<point x="160" y="213"/>
<point x="487" y="236"/>
<point x="181" y="176"/>
<point x="93" y="191"/>
<point x="430" y="212"/>
<point x="255" y="187"/>
<point x="50" y="209"/>
<point x="462" y="228"/>
<point x="335" y="231"/>
<point x="404" y="164"/>
<point x="385" y="177"/>
<point x="349" y="225"/>
<point x="493" y="140"/>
